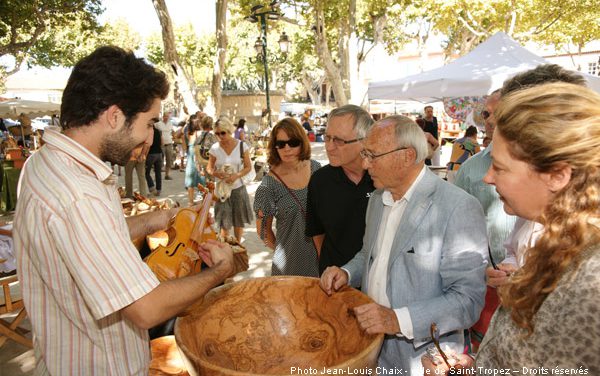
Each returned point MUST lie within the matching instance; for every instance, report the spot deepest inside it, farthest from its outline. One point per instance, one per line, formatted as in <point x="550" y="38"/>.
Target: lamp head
<point x="284" y="43"/>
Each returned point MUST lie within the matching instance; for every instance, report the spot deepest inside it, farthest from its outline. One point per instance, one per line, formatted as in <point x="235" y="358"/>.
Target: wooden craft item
<point x="267" y="326"/>
<point x="166" y="360"/>
<point x="179" y="257"/>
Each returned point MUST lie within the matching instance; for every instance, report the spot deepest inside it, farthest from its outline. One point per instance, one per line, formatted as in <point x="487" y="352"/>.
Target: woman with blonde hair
<point x="546" y="168"/>
<point x="228" y="162"/>
<point x="282" y="195"/>
<point x="206" y="140"/>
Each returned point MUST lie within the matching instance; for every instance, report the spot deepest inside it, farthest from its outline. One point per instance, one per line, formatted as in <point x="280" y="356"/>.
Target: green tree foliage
<point x="551" y="22"/>
<point x="31" y="31"/>
<point x="195" y="55"/>
<point x="195" y="52"/>
<point x="69" y="45"/>
<point x="322" y="30"/>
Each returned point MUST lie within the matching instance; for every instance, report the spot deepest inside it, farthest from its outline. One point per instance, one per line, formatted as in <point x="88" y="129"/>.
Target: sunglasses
<point x="485" y="114"/>
<point x="292" y="142"/>
<point x="223" y="133"/>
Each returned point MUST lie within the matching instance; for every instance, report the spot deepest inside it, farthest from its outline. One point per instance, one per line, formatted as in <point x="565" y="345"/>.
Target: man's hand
<point x="218" y="255"/>
<point x="333" y="279"/>
<point x="499" y="277"/>
<point x="375" y="319"/>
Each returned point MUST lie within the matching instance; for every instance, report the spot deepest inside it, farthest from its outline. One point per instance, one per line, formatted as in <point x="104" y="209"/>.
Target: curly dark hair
<point x="110" y="76"/>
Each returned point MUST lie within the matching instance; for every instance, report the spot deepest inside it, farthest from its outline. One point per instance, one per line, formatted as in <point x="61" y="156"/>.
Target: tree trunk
<point x="185" y="84"/>
<point x="219" y="65"/>
<point x="331" y="69"/>
<point x="345" y="30"/>
<point x="310" y="85"/>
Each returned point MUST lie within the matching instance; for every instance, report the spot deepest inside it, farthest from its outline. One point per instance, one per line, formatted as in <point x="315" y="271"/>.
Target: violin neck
<point x="202" y="219"/>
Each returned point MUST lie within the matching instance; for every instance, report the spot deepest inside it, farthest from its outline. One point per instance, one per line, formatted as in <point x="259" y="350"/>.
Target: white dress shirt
<point x="378" y="274"/>
<point x="523" y="236"/>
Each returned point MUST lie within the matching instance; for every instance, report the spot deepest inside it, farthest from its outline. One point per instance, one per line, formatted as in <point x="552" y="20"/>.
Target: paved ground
<point x="16" y="360"/>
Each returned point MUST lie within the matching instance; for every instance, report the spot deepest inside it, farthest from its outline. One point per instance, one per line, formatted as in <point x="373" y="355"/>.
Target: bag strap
<point x="291" y="193"/>
<point x="202" y="139"/>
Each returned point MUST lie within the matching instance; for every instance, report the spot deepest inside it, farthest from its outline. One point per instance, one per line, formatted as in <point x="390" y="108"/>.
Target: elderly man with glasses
<point x="338" y="193"/>
<point x="424" y="251"/>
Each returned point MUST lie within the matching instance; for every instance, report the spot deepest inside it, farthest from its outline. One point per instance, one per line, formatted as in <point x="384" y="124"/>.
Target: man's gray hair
<point x="408" y="134"/>
<point x="362" y="120"/>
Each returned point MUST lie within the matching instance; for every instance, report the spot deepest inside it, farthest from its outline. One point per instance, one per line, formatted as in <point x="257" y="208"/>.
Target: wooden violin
<point x="178" y="257"/>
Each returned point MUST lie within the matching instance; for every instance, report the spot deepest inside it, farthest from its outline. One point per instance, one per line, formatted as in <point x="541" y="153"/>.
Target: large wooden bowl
<point x="268" y="326"/>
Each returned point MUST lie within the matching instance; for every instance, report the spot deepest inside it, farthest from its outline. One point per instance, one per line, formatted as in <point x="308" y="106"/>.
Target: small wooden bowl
<point x="268" y="326"/>
<point x="166" y="359"/>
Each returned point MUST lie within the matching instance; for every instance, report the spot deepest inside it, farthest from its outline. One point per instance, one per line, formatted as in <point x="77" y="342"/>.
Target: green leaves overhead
<point x="31" y="30"/>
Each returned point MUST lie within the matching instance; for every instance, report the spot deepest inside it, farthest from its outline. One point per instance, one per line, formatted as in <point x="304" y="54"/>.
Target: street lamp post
<point x="258" y="14"/>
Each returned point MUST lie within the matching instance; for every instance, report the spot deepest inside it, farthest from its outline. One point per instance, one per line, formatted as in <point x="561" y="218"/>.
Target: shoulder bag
<point x="250" y="176"/>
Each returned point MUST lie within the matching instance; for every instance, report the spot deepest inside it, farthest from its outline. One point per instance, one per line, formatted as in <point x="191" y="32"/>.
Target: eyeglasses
<point x="365" y="154"/>
<point x="292" y="142"/>
<point x="340" y="142"/>
<point x="222" y="133"/>
<point x="485" y="114"/>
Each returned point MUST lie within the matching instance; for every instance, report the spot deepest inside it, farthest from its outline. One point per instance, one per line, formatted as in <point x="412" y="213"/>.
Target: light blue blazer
<point x="436" y="267"/>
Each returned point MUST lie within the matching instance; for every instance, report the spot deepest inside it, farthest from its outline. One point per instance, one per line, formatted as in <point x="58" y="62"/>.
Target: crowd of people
<point x="521" y="223"/>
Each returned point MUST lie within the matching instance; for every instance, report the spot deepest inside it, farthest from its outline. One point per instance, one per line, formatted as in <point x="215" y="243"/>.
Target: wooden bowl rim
<point x="376" y="343"/>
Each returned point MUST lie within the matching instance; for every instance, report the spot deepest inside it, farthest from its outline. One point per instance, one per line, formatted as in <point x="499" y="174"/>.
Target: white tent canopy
<point x="478" y="73"/>
<point x="12" y="108"/>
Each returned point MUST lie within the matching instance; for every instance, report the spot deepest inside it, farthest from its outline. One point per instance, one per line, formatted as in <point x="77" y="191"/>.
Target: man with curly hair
<point x="89" y="295"/>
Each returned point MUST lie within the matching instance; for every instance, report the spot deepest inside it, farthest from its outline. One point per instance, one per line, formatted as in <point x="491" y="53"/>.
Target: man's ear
<point x="559" y="177"/>
<point x="410" y="156"/>
<point x="114" y="116"/>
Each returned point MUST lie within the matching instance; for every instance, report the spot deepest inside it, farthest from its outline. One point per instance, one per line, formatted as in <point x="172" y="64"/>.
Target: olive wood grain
<point x="269" y="325"/>
<point x="166" y="360"/>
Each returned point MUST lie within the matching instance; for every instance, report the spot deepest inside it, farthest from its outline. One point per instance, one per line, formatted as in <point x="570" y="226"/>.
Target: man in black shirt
<point x="154" y="160"/>
<point x="431" y="126"/>
<point x="338" y="193"/>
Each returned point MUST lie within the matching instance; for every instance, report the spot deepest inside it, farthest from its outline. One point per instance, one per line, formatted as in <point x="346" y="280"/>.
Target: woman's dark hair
<point x="241" y="123"/>
<point x="110" y="76"/>
<point x="293" y="129"/>
<point x="192" y="124"/>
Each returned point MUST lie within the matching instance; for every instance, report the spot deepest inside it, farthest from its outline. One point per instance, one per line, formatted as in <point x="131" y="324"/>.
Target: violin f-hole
<point x="174" y="250"/>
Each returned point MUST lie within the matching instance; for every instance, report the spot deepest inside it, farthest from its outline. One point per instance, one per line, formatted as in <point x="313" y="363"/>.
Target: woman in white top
<point x="229" y="160"/>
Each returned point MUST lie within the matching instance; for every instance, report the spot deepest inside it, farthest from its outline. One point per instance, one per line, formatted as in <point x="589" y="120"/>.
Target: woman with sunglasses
<point x="282" y="195"/>
<point x="546" y="168"/>
<point x="228" y="161"/>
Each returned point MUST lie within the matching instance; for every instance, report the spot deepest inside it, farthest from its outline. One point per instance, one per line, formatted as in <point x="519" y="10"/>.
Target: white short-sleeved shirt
<point x="222" y="158"/>
<point x="77" y="265"/>
<point x="166" y="132"/>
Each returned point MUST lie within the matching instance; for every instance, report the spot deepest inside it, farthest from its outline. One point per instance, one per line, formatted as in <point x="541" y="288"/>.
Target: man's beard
<point x="116" y="148"/>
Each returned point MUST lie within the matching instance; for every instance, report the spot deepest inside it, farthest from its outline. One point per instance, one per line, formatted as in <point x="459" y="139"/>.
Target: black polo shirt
<point x="337" y="207"/>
